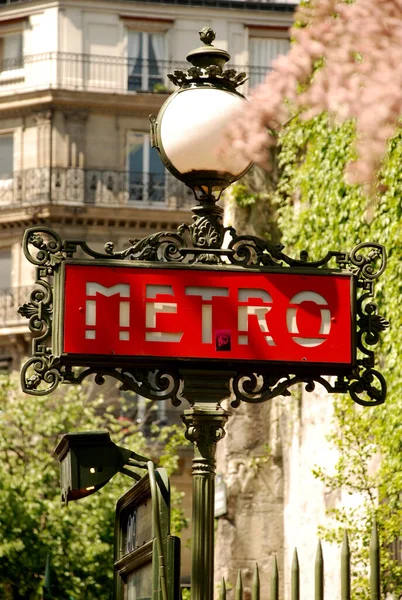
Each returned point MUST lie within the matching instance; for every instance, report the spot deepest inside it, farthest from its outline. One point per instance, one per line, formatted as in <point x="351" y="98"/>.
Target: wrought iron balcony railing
<point x="95" y="73"/>
<point x="101" y="187"/>
<point x="10" y="300"/>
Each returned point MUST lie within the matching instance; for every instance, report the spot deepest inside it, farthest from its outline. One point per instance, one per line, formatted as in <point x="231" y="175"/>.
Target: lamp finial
<point x="207" y="35"/>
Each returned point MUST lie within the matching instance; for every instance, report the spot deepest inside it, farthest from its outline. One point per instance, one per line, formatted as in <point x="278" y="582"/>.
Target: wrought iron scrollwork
<point x="49" y="248"/>
<point x="159" y="247"/>
<point x="157" y="384"/>
<point x="41" y="375"/>
<point x="365" y="265"/>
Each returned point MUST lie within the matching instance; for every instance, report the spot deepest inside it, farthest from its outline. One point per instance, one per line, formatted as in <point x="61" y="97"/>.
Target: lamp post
<point x="188" y="133"/>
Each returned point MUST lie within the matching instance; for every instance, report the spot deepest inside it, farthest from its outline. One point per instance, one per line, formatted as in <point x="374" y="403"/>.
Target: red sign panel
<point x="199" y="314"/>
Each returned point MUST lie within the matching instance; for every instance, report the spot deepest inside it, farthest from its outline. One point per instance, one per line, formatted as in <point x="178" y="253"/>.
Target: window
<point x="6" y="156"/>
<point x="146" y="60"/>
<point x="146" y="170"/>
<point x="262" y="51"/>
<point x="5" y="269"/>
<point x="6" y="170"/>
<point x="11" y="52"/>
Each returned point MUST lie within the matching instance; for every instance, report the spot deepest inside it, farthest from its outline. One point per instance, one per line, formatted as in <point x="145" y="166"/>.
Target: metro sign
<point x="116" y="313"/>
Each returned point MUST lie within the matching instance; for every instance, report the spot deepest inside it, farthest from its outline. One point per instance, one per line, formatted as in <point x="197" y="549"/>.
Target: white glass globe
<point x="192" y="130"/>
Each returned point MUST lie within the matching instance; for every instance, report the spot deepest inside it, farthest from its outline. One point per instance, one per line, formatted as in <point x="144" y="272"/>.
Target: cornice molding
<point x="132" y="105"/>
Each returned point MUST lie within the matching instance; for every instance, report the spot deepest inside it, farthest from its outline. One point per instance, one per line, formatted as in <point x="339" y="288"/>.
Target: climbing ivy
<point x="318" y="211"/>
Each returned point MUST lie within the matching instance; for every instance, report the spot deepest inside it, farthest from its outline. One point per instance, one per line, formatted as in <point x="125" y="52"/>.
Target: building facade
<point x="78" y="81"/>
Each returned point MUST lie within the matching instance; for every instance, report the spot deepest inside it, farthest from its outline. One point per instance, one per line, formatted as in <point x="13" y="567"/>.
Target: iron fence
<point x="95" y="73"/>
<point x="10" y="300"/>
<point x="319" y="580"/>
<point x="101" y="187"/>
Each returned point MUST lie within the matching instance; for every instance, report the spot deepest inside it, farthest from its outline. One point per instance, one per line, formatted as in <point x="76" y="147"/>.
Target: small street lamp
<point x="89" y="459"/>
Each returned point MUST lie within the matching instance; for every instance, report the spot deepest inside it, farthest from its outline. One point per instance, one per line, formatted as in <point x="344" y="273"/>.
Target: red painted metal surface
<point x="221" y="315"/>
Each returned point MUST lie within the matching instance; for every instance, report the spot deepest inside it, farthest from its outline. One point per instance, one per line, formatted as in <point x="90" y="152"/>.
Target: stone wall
<point x="250" y="459"/>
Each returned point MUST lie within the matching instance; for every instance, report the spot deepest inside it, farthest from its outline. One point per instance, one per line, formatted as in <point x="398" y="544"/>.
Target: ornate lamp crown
<point x="208" y="67"/>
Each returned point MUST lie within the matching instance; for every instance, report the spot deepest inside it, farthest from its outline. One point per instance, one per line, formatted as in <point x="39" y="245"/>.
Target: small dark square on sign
<point x="222" y="339"/>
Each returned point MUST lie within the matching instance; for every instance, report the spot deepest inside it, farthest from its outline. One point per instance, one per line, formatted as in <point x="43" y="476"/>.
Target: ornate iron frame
<point x="207" y="244"/>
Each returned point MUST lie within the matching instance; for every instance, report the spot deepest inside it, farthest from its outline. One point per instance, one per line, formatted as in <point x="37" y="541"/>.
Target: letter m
<point x="93" y="288"/>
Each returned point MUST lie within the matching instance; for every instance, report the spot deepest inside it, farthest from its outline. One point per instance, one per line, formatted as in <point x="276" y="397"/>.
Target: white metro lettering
<point x="92" y="288"/>
<point x="153" y="308"/>
<point x="291" y="319"/>
<point x="206" y="293"/>
<point x="244" y="312"/>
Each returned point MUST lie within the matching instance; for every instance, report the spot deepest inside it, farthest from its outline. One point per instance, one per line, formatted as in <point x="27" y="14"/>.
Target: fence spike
<point x="295" y="577"/>
<point x="222" y="593"/>
<point x="275" y="581"/>
<point x="319" y="574"/>
<point x="374" y="563"/>
<point x="255" y="589"/>
<point x="345" y="567"/>
<point x="239" y="587"/>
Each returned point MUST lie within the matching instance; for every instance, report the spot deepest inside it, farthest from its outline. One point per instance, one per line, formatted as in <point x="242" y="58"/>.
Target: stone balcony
<point x="97" y="73"/>
<point x="96" y="187"/>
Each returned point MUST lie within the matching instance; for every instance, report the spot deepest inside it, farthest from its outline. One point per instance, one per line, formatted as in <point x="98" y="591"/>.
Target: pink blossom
<point x="361" y="79"/>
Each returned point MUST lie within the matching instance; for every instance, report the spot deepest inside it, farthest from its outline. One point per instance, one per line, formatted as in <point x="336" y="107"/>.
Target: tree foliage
<point x="319" y="212"/>
<point x="33" y="522"/>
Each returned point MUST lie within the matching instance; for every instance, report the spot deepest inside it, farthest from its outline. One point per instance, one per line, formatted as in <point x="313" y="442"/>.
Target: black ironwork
<point x="203" y="243"/>
<point x="101" y="187"/>
<point x="98" y="73"/>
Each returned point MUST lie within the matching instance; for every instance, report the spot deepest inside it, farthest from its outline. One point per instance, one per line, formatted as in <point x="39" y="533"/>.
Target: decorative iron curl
<point x="255" y="388"/>
<point x="370" y="324"/>
<point x="40" y="370"/>
<point x="363" y="266"/>
<point x="362" y="384"/>
<point x="158" y="247"/>
<point x="39" y="310"/>
<point x="49" y="253"/>
<point x="157" y="385"/>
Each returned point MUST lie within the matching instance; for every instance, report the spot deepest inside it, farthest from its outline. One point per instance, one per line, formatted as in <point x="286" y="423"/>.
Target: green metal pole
<point x="295" y="578"/>
<point x="255" y="589"/>
<point x="275" y="581"/>
<point x="345" y="568"/>
<point x="239" y="587"/>
<point x="319" y="574"/>
<point x="222" y="593"/>
<point x="204" y="422"/>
